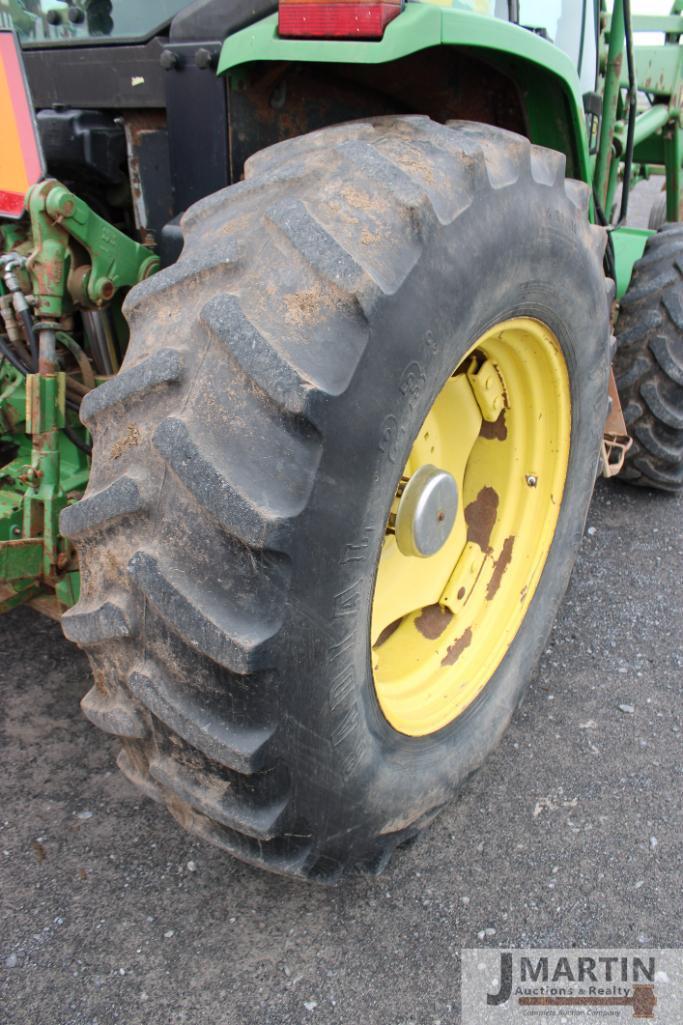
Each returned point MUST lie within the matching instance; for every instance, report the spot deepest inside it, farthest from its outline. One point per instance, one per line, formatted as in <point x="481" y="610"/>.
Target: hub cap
<point x="426" y="512"/>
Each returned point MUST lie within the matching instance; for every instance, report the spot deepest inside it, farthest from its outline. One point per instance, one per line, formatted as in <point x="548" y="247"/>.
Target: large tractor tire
<point x="648" y="365"/>
<point x="657" y="218"/>
<point x="374" y="300"/>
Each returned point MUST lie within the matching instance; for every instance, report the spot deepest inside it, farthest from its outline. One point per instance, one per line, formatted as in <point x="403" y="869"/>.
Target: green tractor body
<point x="145" y="110"/>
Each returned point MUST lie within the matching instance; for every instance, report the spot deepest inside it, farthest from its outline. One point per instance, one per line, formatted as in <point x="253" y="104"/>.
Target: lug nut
<point x="205" y="58"/>
<point x="169" y="60"/>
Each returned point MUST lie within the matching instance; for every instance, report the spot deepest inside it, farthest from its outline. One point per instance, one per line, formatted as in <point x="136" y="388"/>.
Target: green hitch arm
<point x="49" y="261"/>
<point x="116" y="260"/>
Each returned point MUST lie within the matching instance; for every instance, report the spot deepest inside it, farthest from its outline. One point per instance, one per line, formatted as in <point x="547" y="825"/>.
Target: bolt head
<point x="204" y="58"/>
<point x="169" y="60"/>
<point x="102" y="290"/>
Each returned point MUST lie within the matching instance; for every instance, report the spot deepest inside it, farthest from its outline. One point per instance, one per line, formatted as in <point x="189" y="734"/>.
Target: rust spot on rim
<point x="499" y="567"/>
<point x="480" y="515"/>
<point x="496" y="431"/>
<point x="456" y="649"/>
<point x="433" y="620"/>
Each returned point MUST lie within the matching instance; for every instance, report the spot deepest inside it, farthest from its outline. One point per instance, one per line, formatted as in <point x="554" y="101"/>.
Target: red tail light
<point x="336" y="19"/>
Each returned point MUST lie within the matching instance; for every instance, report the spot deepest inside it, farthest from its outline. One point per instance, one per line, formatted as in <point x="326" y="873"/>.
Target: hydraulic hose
<point x="25" y="318"/>
<point x="10" y="262"/>
<point x="78" y="442"/>
<point x="11" y="357"/>
<point x="83" y="362"/>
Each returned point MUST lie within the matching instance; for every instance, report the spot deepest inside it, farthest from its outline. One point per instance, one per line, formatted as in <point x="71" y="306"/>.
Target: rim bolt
<point x="532" y="480"/>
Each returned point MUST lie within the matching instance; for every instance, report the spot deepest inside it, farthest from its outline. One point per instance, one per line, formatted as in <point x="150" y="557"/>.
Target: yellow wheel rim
<point x="441" y="625"/>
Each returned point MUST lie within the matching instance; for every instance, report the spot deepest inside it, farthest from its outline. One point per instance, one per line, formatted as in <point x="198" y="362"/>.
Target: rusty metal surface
<point x="457" y="647"/>
<point x="431" y="622"/>
<point x="149" y="171"/>
<point x="615" y="441"/>
<point x="277" y="102"/>
<point x="615" y="425"/>
<point x="480" y="516"/>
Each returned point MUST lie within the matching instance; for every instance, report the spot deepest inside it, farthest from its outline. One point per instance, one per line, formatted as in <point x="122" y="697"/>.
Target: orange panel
<point x="21" y="160"/>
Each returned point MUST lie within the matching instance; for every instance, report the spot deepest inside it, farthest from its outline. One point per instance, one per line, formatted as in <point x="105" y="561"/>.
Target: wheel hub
<point x="426" y="512"/>
<point x="470" y="526"/>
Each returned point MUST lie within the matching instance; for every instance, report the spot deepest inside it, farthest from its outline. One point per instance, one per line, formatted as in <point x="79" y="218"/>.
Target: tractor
<point x="320" y="320"/>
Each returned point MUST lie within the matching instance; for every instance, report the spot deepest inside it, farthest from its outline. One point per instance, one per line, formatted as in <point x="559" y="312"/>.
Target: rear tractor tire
<point x="339" y="485"/>
<point x="648" y="364"/>
<point x="657" y="217"/>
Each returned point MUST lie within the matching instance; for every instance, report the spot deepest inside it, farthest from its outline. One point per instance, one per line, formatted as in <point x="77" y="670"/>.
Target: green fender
<point x="629" y="246"/>
<point x="545" y="75"/>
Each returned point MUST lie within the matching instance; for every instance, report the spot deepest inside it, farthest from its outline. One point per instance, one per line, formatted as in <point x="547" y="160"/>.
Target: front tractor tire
<point x="374" y="298"/>
<point x="648" y="364"/>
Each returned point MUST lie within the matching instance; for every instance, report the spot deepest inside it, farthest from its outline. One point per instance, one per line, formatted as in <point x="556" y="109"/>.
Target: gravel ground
<point x="571" y="834"/>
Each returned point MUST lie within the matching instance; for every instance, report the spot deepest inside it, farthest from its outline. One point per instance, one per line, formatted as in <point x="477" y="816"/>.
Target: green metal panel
<point x="21" y="559"/>
<point x="671" y="23"/>
<point x="658" y="69"/>
<point x="10" y="511"/>
<point x="419" y="27"/>
<point x="651" y="152"/>
<point x="629" y="244"/>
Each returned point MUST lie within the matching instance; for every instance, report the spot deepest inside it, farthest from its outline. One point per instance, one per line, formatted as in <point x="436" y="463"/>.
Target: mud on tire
<point x="242" y="460"/>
